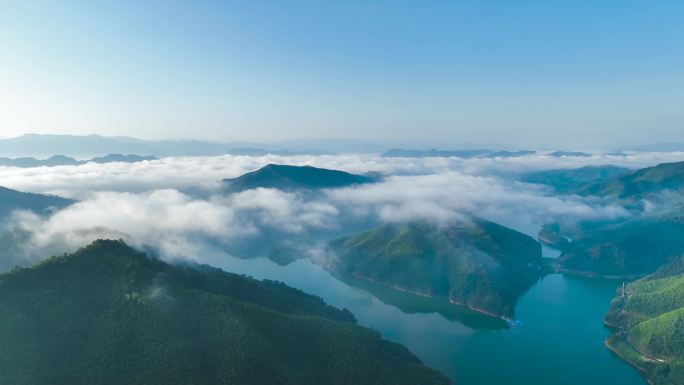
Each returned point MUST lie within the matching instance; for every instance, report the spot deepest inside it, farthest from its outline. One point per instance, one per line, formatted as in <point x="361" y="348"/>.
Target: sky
<point x="581" y="74"/>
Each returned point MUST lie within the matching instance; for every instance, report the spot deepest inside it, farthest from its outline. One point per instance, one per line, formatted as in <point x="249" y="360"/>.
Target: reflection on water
<point x="560" y="341"/>
<point x="413" y="304"/>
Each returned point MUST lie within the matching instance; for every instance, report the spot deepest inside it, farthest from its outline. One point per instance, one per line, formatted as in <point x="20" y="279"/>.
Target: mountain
<point x="108" y="314"/>
<point x="647" y="323"/>
<point x="287" y="177"/>
<point x="11" y="200"/>
<point x="479" y="264"/>
<point x="509" y="154"/>
<point x="560" y="154"/>
<point x="56" y="160"/>
<point x="15" y="242"/>
<point x="111" y="158"/>
<point x="61" y="160"/>
<point x="96" y="145"/>
<point x="402" y="153"/>
<point x="640" y="183"/>
<point x="632" y="247"/>
<point x="568" y="180"/>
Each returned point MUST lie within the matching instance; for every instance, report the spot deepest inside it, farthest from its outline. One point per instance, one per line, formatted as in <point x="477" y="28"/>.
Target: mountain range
<point x="467" y="153"/>
<point x="61" y="160"/>
<point x="37" y="145"/>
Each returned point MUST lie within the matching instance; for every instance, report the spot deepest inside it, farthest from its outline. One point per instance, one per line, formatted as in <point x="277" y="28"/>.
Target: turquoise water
<point x="560" y="341"/>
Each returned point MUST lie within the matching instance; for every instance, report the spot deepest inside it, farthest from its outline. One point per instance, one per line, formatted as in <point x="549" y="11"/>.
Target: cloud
<point x="185" y="172"/>
<point x="144" y="202"/>
<point x="174" y="223"/>
<point x="448" y="196"/>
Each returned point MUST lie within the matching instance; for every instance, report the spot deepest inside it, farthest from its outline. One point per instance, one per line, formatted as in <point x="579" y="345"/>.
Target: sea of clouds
<point x="155" y="203"/>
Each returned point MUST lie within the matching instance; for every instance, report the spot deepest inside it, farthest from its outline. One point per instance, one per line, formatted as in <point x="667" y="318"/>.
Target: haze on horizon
<point x="525" y="74"/>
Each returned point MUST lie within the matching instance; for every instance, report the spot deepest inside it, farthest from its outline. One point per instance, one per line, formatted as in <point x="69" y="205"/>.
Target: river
<point x="560" y="340"/>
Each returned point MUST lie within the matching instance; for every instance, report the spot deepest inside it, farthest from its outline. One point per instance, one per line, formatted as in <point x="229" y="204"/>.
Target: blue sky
<point x="584" y="74"/>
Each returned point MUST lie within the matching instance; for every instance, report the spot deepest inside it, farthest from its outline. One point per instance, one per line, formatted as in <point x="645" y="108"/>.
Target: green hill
<point x="479" y="264"/>
<point x="568" y="180"/>
<point x="287" y="177"/>
<point x="108" y="314"/>
<point x="636" y="246"/>
<point x="638" y="184"/>
<point x="648" y="324"/>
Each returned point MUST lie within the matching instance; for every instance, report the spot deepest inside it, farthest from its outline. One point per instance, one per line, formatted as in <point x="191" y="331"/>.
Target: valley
<point x="341" y="192"/>
<point x="451" y="291"/>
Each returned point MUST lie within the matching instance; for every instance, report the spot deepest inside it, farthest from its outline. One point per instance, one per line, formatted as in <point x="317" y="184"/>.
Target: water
<point x="548" y="252"/>
<point x="560" y="341"/>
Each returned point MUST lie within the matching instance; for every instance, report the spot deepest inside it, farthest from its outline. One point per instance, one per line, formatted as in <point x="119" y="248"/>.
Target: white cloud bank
<point x="142" y="201"/>
<point x="185" y="172"/>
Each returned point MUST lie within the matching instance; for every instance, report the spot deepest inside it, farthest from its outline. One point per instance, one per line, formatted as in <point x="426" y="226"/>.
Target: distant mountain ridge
<point x="37" y="145"/>
<point x="476" y="153"/>
<point x="287" y="177"/>
<point x="466" y="153"/>
<point x="560" y="154"/>
<point x="61" y="160"/>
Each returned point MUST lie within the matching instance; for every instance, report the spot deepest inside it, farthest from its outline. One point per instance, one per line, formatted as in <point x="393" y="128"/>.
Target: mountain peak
<point x="290" y="177"/>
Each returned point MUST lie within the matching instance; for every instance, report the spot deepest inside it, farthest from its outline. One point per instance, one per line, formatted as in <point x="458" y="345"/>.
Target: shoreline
<point x="425" y="295"/>
<point x="549" y="243"/>
<point x="640" y="369"/>
<point x="588" y="274"/>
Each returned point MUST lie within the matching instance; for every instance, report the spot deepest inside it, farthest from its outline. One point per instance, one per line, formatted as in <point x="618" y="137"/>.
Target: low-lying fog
<point x="155" y="203"/>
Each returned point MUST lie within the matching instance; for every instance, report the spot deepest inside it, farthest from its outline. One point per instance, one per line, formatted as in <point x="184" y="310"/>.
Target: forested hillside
<point x="648" y="322"/>
<point x="479" y="264"/>
<point x="108" y="314"/>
